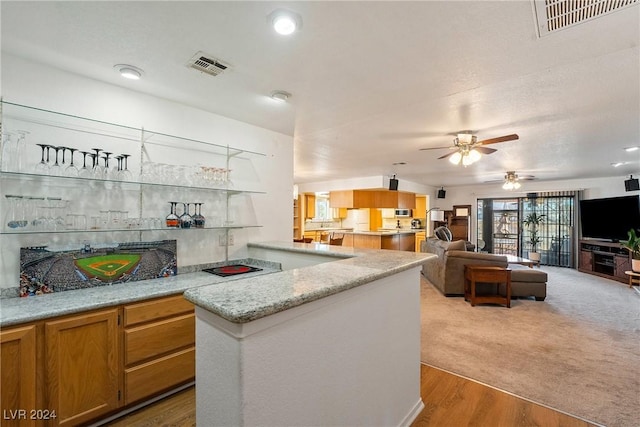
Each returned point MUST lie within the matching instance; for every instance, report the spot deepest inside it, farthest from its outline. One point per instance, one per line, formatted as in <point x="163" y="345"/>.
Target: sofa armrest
<point x="454" y="268"/>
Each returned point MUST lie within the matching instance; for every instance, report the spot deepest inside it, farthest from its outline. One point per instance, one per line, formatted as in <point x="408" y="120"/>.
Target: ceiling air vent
<point x="555" y="15"/>
<point x="207" y="64"/>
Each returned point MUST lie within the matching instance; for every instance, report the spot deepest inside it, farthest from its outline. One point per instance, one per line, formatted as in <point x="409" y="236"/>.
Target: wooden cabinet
<point x="420" y="236"/>
<point x="297" y="219"/>
<point x="86" y="366"/>
<point x="81" y="366"/>
<point x="605" y="259"/>
<point x="421" y="208"/>
<point x="18" y="375"/>
<point x="159" y="346"/>
<point x="371" y="199"/>
<point x="309" y="205"/>
<point x="405" y="200"/>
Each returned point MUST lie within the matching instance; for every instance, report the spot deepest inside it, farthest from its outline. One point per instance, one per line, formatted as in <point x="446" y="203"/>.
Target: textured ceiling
<point x="373" y="82"/>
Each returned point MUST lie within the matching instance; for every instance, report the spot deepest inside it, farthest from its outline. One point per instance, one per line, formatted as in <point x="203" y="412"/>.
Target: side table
<point x="633" y="277"/>
<point x="474" y="274"/>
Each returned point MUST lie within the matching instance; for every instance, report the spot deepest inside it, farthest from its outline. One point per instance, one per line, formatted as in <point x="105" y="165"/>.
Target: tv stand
<point x="604" y="259"/>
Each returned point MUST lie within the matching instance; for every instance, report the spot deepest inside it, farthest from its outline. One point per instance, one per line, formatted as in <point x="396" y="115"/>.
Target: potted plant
<point x="532" y="221"/>
<point x="633" y="245"/>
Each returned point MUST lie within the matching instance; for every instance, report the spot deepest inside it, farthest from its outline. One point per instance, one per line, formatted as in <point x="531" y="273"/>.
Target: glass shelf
<point x="75" y="123"/>
<point x="133" y="185"/>
<point x="131" y="230"/>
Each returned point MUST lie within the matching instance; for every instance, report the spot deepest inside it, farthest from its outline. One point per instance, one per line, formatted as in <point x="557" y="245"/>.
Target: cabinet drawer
<point x="155" y="309"/>
<point x="158" y="375"/>
<point x="154" y="339"/>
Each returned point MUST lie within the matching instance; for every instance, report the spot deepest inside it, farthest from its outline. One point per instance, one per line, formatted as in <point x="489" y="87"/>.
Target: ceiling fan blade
<point x="485" y="150"/>
<point x="505" y="138"/>
<point x="447" y="155"/>
<point x="436" y="148"/>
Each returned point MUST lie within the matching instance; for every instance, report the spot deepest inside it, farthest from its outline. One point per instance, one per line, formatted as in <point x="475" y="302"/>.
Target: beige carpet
<point x="577" y="352"/>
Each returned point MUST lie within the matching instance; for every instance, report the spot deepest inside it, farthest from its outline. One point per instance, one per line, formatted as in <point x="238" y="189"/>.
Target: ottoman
<point x="527" y="282"/>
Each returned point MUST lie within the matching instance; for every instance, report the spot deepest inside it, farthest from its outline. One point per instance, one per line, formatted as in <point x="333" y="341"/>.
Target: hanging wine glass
<point x="13" y="222"/>
<point x="56" y="169"/>
<point x="84" y="171"/>
<point x="42" y="168"/>
<point x="126" y="174"/>
<point x="198" y="218"/>
<point x="71" y="170"/>
<point x="97" y="169"/>
<point x="186" y="220"/>
<point x="172" y="220"/>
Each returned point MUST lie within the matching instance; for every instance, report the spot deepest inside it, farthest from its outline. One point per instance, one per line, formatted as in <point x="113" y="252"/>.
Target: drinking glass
<point x="14" y="217"/>
<point x="186" y="220"/>
<point x="7" y="148"/>
<point x="85" y="172"/>
<point x="172" y="220"/>
<point x="125" y="174"/>
<point x="42" y="168"/>
<point x="40" y="213"/>
<point x="98" y="170"/>
<point x="20" y="150"/>
<point x="56" y="169"/>
<point x="198" y="218"/>
<point x="71" y="170"/>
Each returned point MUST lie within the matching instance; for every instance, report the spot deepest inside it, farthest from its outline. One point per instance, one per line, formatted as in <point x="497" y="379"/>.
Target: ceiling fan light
<point x="455" y="158"/>
<point x="474" y="155"/>
<point x="467" y="160"/>
<point x="507" y="186"/>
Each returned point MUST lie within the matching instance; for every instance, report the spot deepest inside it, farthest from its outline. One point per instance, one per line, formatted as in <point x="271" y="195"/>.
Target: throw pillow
<point x="458" y="245"/>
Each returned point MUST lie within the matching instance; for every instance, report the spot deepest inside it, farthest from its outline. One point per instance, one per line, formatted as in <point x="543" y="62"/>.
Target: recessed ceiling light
<point x="630" y="149"/>
<point x="280" y="95"/>
<point x="615" y="165"/>
<point x="284" y="21"/>
<point x="129" y="71"/>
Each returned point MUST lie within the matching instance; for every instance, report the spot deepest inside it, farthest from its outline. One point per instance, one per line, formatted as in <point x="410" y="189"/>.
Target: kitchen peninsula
<point x="323" y="342"/>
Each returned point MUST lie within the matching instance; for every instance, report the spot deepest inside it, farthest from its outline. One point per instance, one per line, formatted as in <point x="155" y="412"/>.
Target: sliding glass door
<point x="501" y="230"/>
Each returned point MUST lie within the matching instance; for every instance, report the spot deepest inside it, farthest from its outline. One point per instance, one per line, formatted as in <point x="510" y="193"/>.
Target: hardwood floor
<point x="449" y="400"/>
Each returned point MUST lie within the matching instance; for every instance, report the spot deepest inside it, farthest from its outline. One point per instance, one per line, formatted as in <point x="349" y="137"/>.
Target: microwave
<point x="403" y="212"/>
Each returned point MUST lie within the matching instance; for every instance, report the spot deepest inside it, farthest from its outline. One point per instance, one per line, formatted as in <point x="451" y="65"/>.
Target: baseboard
<point x="413" y="414"/>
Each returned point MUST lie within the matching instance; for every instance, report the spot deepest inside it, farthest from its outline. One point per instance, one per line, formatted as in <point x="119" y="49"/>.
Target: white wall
<point x="28" y="83"/>
<point x="365" y="182"/>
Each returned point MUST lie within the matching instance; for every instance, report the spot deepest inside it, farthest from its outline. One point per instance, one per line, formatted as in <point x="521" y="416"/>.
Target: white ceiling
<point x="372" y="82"/>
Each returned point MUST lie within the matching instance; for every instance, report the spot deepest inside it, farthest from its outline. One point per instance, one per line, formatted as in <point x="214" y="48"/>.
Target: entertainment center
<point x="605" y="259"/>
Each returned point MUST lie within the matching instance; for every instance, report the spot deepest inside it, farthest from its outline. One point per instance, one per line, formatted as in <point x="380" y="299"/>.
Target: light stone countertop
<point x="14" y="311"/>
<point x="247" y="300"/>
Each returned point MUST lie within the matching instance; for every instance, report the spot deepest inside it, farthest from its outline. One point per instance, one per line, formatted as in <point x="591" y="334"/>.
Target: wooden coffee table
<point x="486" y="274"/>
<point x="512" y="259"/>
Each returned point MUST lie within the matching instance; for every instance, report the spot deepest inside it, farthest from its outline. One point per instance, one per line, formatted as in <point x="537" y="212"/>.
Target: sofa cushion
<point x="521" y="273"/>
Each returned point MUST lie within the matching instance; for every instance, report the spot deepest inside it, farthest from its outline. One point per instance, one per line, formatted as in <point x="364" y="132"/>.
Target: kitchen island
<point x="399" y="240"/>
<point x="333" y="339"/>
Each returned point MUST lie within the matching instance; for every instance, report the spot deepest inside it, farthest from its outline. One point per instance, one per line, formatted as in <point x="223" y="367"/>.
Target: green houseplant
<point x="532" y="221"/>
<point x="633" y="245"/>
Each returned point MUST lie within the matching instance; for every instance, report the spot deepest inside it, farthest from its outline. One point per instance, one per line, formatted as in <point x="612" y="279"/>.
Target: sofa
<point x="446" y="271"/>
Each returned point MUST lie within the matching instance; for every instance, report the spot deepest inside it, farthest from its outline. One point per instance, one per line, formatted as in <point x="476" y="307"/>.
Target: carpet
<point x="577" y="352"/>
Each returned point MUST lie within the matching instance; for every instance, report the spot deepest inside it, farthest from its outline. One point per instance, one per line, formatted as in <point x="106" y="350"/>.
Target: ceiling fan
<point x="511" y="180"/>
<point x="467" y="148"/>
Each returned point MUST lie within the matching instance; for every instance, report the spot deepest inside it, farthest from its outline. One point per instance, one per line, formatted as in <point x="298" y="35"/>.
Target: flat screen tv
<point x="610" y="218"/>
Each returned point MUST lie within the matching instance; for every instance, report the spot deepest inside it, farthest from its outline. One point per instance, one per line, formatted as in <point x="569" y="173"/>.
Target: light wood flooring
<point x="449" y="400"/>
